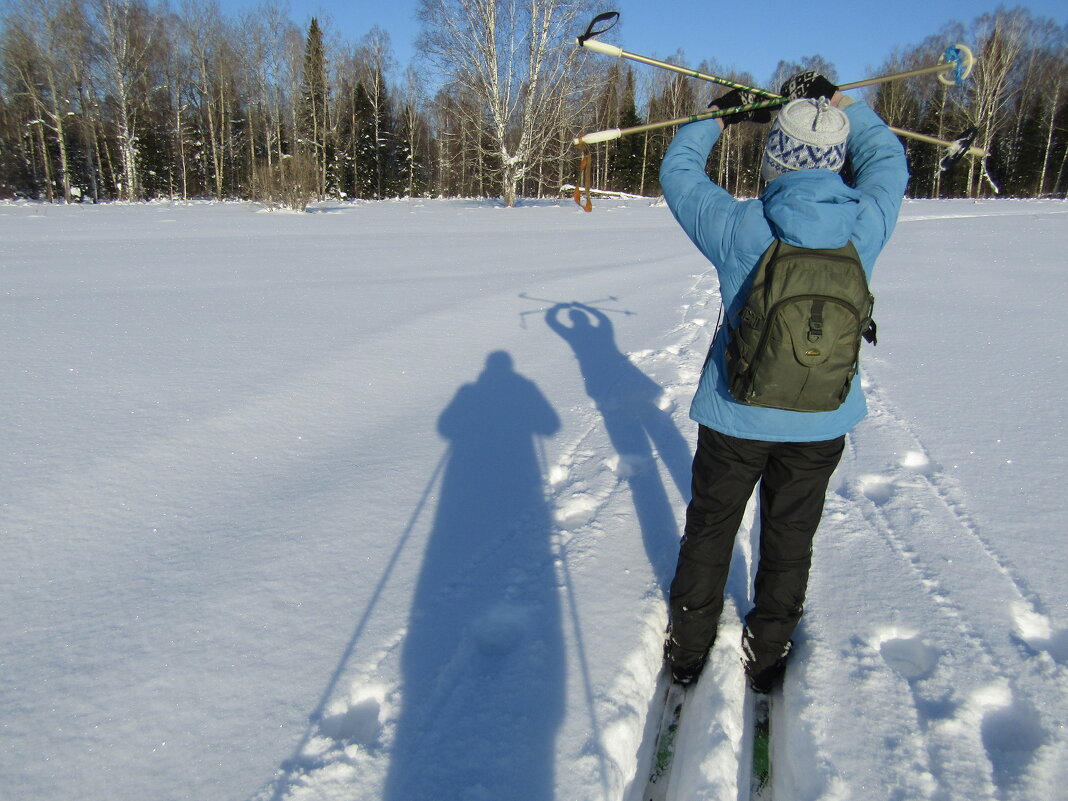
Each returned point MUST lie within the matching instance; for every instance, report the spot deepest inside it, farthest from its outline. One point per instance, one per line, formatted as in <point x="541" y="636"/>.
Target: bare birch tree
<point x="1001" y="38"/>
<point x="1055" y="98"/>
<point x="517" y="57"/>
<point x="267" y="33"/>
<point x="415" y="134"/>
<point x="1044" y="92"/>
<point x="127" y="35"/>
<point x="22" y="63"/>
<point x="208" y="38"/>
<point x="36" y="46"/>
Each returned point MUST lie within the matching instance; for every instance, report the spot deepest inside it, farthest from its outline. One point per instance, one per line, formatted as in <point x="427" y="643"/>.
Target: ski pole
<point x="956" y="150"/>
<point x="962" y="62"/>
<point x="615" y="133"/>
<point x="958" y="57"/>
<point x="961" y="146"/>
<point x="586" y="40"/>
<point x="583" y="142"/>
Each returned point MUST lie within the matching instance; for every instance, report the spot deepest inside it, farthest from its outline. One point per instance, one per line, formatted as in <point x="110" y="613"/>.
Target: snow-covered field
<point x="381" y="501"/>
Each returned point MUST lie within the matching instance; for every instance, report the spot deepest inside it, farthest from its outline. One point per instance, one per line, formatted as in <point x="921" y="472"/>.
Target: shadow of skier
<point x="483" y="659"/>
<point x="635" y="424"/>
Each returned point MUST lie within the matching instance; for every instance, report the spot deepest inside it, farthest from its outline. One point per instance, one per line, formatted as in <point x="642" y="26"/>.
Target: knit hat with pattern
<point x="806" y="135"/>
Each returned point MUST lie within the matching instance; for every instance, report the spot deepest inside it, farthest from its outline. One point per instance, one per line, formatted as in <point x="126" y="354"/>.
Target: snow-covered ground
<point x="381" y="501"/>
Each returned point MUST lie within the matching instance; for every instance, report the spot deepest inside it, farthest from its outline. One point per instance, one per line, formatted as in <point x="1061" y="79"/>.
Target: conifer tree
<point x="312" y="111"/>
<point x="627" y="156"/>
<point x="388" y="171"/>
<point x="364" y="156"/>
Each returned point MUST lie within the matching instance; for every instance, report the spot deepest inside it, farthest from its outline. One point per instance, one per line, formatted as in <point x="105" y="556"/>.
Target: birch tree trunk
<point x="1054" y="102"/>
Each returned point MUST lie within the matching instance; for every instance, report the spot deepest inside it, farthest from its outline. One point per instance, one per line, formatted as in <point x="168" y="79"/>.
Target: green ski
<point x="760" y="786"/>
<point x="656" y="787"/>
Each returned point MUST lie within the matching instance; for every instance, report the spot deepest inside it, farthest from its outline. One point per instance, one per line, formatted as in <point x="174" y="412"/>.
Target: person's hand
<point x="808" y="84"/>
<point x="741" y="97"/>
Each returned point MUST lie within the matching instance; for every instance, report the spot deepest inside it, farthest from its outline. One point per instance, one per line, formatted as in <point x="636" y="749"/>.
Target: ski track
<point x="980" y="667"/>
<point x="988" y="212"/>
<point x="587" y="491"/>
<point x="971" y="716"/>
<point x="970" y="720"/>
<point x="712" y="755"/>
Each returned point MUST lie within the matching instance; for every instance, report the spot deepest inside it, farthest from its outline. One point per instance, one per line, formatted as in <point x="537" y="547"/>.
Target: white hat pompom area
<point x="806" y="135"/>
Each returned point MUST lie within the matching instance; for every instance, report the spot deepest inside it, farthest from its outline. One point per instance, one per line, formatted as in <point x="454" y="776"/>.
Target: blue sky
<point x="751" y="36"/>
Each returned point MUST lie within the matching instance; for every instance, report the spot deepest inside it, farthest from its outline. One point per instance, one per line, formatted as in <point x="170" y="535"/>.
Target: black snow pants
<point x="793" y="482"/>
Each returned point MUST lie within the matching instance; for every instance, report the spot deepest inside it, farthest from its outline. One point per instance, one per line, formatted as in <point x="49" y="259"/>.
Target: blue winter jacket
<point x="808" y="208"/>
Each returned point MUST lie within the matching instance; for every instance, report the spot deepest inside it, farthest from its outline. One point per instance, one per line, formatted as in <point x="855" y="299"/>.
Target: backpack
<point x="795" y="345"/>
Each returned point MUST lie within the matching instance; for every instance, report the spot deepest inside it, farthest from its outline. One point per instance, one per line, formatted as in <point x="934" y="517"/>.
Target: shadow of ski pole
<point x="290" y="765"/>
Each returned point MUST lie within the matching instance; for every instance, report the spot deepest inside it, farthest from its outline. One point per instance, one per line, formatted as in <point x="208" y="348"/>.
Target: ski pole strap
<point x="602" y="23"/>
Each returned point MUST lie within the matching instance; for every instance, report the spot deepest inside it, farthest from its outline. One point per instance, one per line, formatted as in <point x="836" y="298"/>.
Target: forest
<point x="137" y="99"/>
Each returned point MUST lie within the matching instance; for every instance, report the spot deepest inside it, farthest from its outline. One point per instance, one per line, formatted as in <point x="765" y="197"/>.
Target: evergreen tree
<point x="389" y="178"/>
<point x="626" y="167"/>
<point x="363" y="154"/>
<point x="312" y="110"/>
<point x="126" y="98"/>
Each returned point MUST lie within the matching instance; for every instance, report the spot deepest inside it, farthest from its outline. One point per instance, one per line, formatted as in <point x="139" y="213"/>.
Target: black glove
<point x="808" y="84"/>
<point x="741" y="97"/>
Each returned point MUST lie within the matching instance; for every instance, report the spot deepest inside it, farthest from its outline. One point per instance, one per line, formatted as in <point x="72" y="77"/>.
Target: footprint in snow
<point x="877" y="489"/>
<point x="1036" y="632"/>
<point x="559" y="473"/>
<point x="917" y="462"/>
<point x="357" y="720"/>
<point x="909" y="656"/>
<point x="577" y="510"/>
<point x="502" y="628"/>
<point x="666" y="404"/>
<point x="627" y="465"/>
<point x="1011" y="733"/>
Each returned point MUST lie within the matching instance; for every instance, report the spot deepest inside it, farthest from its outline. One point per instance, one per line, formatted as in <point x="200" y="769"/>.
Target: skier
<point x="806" y="203"/>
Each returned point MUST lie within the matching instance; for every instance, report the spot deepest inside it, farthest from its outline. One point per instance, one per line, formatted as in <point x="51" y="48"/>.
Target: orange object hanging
<point x="585" y="179"/>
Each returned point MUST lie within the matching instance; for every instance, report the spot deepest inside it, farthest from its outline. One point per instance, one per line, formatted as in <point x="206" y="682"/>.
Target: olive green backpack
<point x="796" y="343"/>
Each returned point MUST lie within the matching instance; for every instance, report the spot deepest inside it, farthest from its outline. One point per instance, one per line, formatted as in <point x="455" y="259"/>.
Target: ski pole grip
<point x="600" y="47"/>
<point x="599" y="136"/>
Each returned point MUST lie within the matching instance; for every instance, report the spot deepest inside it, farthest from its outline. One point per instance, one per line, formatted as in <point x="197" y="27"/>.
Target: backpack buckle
<point x="750" y="317"/>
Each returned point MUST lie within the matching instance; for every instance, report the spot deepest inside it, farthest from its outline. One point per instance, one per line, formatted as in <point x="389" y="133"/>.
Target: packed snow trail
<point x="258" y="473"/>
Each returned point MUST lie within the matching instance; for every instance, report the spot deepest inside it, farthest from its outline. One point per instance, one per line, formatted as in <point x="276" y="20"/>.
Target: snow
<point x="320" y="506"/>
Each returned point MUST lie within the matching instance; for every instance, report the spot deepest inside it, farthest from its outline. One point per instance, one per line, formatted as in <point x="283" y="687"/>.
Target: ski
<point x="760" y="784"/>
<point x="656" y="787"/>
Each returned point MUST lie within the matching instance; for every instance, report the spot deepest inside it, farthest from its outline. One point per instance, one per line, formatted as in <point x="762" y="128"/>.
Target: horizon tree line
<point x="135" y="99"/>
